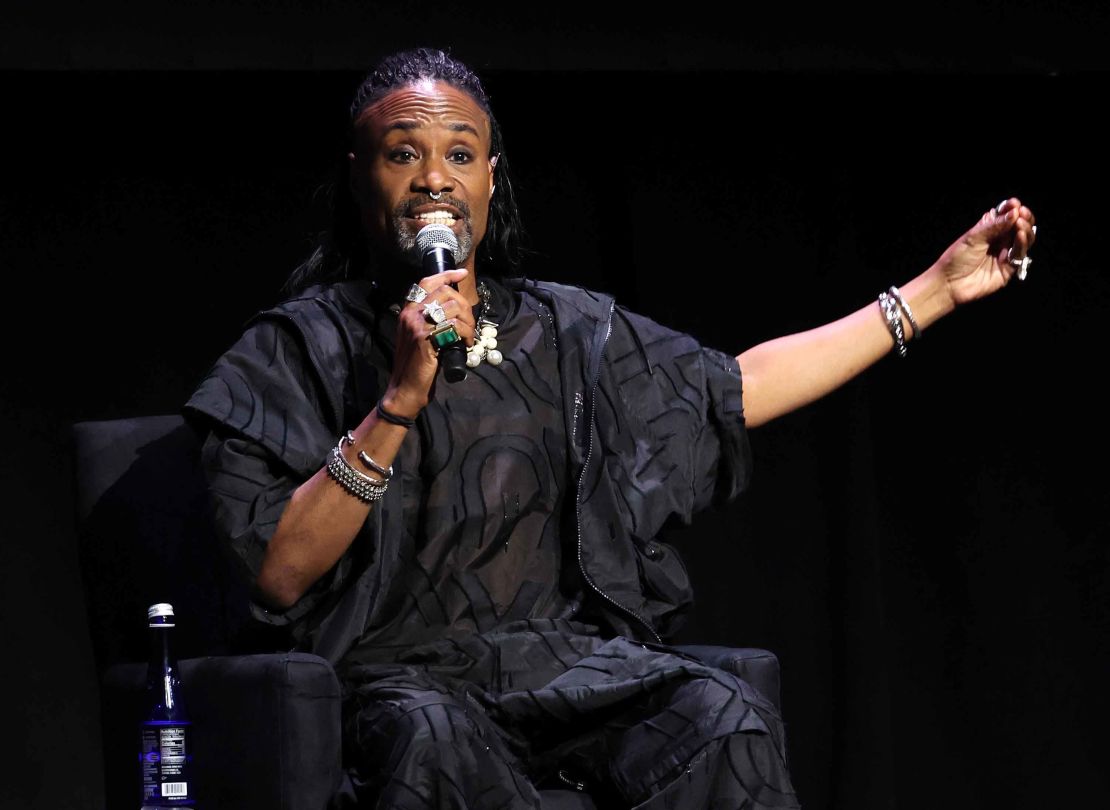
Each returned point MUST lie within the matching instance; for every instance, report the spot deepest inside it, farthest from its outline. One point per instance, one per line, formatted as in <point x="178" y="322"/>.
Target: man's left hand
<point x="985" y="258"/>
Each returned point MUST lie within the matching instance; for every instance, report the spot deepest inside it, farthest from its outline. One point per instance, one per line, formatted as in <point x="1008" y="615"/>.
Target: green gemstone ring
<point x="443" y="335"/>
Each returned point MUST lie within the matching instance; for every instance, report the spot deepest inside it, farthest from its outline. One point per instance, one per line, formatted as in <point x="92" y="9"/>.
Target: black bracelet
<point x="393" y="418"/>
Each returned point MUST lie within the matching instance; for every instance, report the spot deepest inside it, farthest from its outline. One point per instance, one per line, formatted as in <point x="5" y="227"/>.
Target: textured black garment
<point x="654" y="427"/>
<point x="474" y="718"/>
<point x="484" y="477"/>
<point x="545" y="702"/>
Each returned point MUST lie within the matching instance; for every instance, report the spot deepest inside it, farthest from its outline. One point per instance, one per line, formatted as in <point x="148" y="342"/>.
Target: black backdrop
<point x="926" y="549"/>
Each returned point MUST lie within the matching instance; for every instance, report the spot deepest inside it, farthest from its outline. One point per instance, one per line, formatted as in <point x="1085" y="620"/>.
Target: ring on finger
<point x="433" y="311"/>
<point x="416" y="294"/>
<point x="444" y="334"/>
<point x="1021" y="265"/>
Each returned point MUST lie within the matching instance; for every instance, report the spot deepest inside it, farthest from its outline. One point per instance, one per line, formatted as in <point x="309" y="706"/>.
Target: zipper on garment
<point x="578" y="402"/>
<point x="582" y="482"/>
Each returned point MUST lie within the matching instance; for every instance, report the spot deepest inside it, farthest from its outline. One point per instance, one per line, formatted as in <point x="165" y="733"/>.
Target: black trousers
<point x="540" y="705"/>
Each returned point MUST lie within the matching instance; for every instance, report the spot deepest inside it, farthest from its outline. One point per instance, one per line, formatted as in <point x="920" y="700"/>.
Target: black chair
<point x="266" y="723"/>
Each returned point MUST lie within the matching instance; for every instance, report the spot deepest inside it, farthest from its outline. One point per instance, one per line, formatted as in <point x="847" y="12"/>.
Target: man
<point x="478" y="558"/>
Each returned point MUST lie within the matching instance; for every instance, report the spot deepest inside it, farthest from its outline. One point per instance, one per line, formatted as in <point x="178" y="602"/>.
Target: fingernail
<point x="1034" y="230"/>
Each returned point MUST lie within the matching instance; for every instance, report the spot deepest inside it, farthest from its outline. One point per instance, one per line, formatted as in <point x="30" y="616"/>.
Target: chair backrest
<point x="146" y="536"/>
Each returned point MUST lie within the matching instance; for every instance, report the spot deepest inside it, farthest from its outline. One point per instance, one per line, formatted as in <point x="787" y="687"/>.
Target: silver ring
<point x="435" y="196"/>
<point x="434" y="312"/>
<point x="416" y="294"/>
<point x="1021" y="265"/>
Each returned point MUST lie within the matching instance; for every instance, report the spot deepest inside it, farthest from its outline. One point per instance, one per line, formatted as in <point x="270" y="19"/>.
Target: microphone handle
<point x="452" y="357"/>
<point x="452" y="362"/>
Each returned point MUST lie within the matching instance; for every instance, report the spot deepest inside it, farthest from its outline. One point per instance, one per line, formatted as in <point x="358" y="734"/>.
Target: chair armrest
<point x="266" y="731"/>
<point x="760" y="668"/>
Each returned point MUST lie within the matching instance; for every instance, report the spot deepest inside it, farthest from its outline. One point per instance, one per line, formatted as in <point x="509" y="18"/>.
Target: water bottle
<point x="166" y="733"/>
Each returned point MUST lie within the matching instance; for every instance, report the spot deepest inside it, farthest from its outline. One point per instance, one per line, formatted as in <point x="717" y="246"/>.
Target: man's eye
<point x="402" y="156"/>
<point x="460" y="156"/>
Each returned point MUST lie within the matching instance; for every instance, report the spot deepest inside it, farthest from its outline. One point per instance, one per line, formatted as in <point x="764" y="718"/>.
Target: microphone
<point x="439" y="251"/>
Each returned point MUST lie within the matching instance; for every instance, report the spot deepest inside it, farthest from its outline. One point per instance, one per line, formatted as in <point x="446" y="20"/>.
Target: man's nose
<point x="432" y="180"/>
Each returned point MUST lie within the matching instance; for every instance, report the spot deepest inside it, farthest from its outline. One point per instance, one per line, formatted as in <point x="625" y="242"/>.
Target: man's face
<point x="423" y="139"/>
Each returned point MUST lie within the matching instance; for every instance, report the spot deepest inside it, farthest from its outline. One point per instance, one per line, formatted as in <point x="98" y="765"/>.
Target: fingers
<point x="1002" y="216"/>
<point x="415" y="361"/>
<point x="432" y="283"/>
<point x="1027" y="214"/>
<point x="442" y="307"/>
<point x="1017" y="239"/>
<point x="1022" y="230"/>
<point x="438" y="289"/>
<point x="441" y="303"/>
<point x="452" y="302"/>
<point x="1027" y="226"/>
<point x="994" y="226"/>
<point x="419" y="326"/>
<point x="1025" y="235"/>
<point x="1011" y="210"/>
<point x="445" y="304"/>
<point x="465" y="329"/>
<point x="1009" y="225"/>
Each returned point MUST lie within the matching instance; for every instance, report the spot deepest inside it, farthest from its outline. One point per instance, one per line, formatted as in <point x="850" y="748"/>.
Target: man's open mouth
<point x="437" y="218"/>
<point x="436" y="214"/>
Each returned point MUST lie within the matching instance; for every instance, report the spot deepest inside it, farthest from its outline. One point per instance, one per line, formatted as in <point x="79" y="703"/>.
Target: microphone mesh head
<point x="433" y="236"/>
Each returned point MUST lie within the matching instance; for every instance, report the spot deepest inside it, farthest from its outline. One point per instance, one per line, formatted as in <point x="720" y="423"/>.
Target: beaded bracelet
<point x="362" y="486"/>
<point x="893" y="316"/>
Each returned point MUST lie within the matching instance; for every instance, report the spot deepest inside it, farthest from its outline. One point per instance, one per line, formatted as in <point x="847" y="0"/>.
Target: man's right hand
<point x="415" y="360"/>
<point x="321" y="520"/>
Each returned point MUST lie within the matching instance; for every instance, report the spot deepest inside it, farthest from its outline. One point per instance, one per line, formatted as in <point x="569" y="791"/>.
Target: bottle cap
<point x="161" y="609"/>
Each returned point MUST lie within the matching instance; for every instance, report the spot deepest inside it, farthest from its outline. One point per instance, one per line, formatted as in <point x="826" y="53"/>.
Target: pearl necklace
<point x="485" y="344"/>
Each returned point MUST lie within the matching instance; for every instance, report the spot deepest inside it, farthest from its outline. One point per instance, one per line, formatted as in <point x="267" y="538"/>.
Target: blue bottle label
<point x="166" y="757"/>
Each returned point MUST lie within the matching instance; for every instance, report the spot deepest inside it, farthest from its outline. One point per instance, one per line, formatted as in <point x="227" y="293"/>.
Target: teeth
<point x="436" y="218"/>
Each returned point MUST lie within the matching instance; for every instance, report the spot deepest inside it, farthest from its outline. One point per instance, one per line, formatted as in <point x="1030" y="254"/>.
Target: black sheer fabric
<point x="485" y="477"/>
<point x="496" y="621"/>
<point x="653" y="422"/>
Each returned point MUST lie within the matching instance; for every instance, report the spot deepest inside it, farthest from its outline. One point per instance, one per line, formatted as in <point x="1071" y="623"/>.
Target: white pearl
<point x="473" y="359"/>
<point x="489" y="343"/>
<point x="489" y="331"/>
<point x="494" y="357"/>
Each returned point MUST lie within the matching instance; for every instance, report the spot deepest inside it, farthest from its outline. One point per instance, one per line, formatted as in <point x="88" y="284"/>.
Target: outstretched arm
<point x="786" y="373"/>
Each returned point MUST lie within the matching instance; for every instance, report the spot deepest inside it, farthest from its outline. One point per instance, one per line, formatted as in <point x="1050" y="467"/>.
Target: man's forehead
<point x="425" y="103"/>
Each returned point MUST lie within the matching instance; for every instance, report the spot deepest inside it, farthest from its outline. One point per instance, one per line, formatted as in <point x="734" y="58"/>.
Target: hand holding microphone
<point x="438" y="250"/>
<point x="415" y="361"/>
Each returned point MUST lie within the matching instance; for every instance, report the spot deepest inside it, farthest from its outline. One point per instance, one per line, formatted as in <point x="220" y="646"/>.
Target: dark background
<point x="926" y="549"/>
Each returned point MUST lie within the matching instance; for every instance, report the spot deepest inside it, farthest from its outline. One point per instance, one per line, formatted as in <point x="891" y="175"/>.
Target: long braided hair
<point x="340" y="252"/>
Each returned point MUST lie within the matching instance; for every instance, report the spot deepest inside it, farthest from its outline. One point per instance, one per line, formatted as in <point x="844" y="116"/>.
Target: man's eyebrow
<point x="406" y="126"/>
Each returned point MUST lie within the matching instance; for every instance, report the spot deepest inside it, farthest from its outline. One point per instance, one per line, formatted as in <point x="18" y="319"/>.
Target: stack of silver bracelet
<point x="364" y="487"/>
<point x="894" y="306"/>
